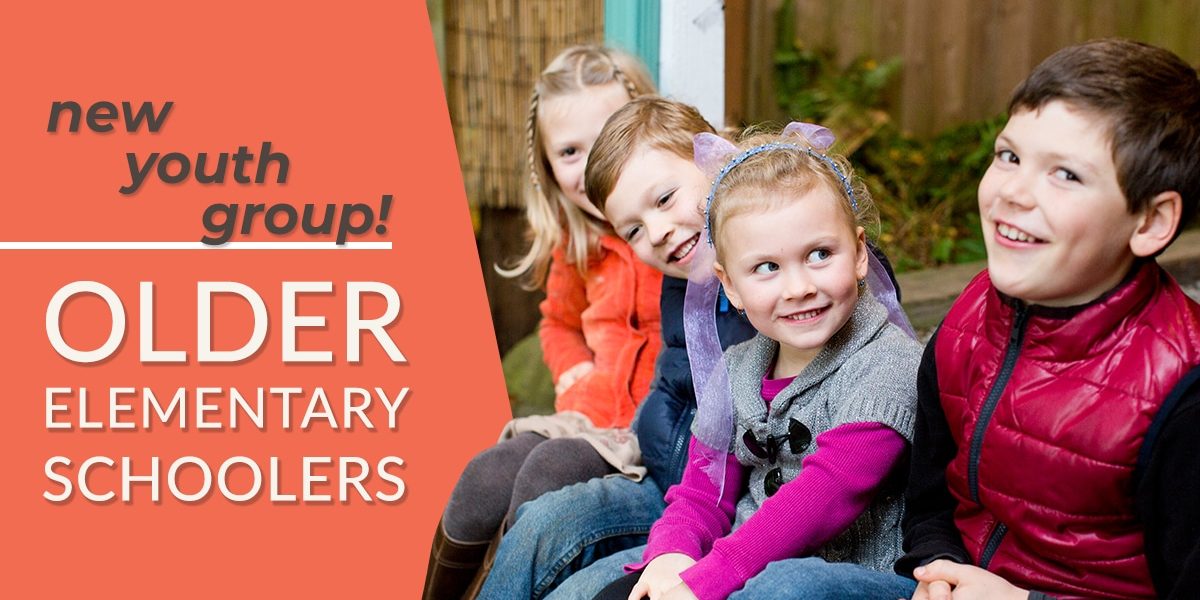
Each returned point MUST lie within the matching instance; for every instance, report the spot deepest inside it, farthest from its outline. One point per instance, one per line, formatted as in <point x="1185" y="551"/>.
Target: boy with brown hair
<point x="643" y="159"/>
<point x="1055" y="451"/>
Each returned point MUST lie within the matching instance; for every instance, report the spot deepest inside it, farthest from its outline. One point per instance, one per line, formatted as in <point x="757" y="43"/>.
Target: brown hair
<point x="649" y="120"/>
<point x="794" y="168"/>
<point x="1150" y="100"/>
<point x="548" y="211"/>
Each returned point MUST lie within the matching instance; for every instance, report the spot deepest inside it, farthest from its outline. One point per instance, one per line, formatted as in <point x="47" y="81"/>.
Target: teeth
<point x="804" y="315"/>
<point x="684" y="249"/>
<point x="1014" y="234"/>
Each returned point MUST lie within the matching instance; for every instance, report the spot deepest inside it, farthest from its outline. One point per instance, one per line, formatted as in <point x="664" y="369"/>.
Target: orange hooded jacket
<point x="609" y="317"/>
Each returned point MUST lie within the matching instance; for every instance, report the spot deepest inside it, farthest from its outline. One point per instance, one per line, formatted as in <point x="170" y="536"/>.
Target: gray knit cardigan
<point x="867" y="372"/>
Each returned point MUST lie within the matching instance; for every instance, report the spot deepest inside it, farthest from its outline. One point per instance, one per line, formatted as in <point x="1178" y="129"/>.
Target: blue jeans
<point x="813" y="578"/>
<point x="566" y="530"/>
<point x="585" y="584"/>
<point x="808" y="578"/>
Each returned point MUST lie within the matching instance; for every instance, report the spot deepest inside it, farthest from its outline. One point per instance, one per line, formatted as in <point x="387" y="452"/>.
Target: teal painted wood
<point x="633" y="26"/>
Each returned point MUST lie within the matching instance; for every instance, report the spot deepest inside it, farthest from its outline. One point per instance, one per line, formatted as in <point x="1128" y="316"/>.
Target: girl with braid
<point x="600" y="329"/>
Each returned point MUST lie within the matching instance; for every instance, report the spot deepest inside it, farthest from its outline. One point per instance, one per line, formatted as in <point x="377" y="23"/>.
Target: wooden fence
<point x="961" y="58"/>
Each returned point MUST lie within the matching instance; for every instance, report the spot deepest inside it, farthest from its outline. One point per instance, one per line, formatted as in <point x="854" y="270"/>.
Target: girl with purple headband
<point x="801" y="431"/>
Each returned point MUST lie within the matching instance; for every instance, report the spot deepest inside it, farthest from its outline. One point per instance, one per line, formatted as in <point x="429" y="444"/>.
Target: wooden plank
<point x="852" y="26"/>
<point x="948" y="60"/>
<point x="915" y="112"/>
<point x="760" y="96"/>
<point x="888" y="43"/>
<point x="736" y="43"/>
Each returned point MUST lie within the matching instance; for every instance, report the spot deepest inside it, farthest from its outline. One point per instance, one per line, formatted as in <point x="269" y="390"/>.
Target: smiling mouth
<point x="806" y="315"/>
<point x="684" y="249"/>
<point x="1012" y="233"/>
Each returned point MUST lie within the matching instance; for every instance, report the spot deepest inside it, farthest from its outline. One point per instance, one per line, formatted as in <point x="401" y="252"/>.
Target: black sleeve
<point x="929" y="530"/>
<point x="887" y="266"/>
<point x="1168" y="493"/>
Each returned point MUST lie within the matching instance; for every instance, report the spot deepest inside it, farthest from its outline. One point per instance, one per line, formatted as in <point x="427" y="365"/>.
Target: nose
<point x="1016" y="189"/>
<point x="576" y="174"/>
<point x="798" y="283"/>
<point x="658" y="230"/>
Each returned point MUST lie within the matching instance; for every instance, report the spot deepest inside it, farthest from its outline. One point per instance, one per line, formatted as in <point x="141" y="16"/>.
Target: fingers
<point x="640" y="589"/>
<point x="922" y="592"/>
<point x="939" y="590"/>
<point x="940" y="570"/>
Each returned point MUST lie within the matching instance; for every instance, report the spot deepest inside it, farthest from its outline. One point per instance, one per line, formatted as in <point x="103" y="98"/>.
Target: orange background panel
<point x="351" y="93"/>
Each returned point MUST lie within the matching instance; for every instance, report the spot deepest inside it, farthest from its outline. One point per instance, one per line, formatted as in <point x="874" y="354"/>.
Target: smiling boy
<point x="1055" y="449"/>
<point x="640" y="172"/>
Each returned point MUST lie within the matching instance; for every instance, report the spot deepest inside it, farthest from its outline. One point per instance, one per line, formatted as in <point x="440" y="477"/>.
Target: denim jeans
<point x="813" y="578"/>
<point x="585" y="584"/>
<point x="808" y="578"/>
<point x="566" y="530"/>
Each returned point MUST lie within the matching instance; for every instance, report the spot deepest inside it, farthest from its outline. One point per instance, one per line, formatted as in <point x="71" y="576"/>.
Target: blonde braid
<point x="530" y="134"/>
<point x="619" y="75"/>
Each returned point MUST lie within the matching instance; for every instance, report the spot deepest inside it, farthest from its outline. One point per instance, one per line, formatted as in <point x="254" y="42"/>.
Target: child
<point x="1055" y="450"/>
<point x="640" y="173"/>
<point x="600" y="326"/>
<point x="822" y="400"/>
<point x="566" y="530"/>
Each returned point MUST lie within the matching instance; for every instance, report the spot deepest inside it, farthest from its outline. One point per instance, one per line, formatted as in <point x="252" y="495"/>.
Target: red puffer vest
<point x="1048" y="408"/>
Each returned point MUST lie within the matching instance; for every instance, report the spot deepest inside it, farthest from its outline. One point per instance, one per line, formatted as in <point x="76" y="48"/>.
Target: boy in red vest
<point x="1056" y="452"/>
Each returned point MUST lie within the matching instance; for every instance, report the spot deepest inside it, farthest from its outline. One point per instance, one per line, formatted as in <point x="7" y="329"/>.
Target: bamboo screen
<point x="494" y="51"/>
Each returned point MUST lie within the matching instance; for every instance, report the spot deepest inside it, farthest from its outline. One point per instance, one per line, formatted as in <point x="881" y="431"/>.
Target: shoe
<point x="453" y="566"/>
<point x="489" y="558"/>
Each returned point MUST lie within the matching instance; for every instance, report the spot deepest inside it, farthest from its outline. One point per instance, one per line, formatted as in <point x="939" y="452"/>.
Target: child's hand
<point x="661" y="575"/>
<point x="570" y="376"/>
<point x="680" y="592"/>
<point x="938" y="578"/>
<point x="932" y="590"/>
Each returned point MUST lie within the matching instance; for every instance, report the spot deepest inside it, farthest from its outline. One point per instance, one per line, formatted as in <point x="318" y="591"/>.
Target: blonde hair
<point x="549" y="212"/>
<point x="649" y="121"/>
<point x="794" y="168"/>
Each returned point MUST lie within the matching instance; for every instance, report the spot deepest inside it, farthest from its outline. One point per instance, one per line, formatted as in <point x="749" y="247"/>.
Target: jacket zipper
<point x="1015" y="338"/>
<point x="993" y="544"/>
<point x="679" y="454"/>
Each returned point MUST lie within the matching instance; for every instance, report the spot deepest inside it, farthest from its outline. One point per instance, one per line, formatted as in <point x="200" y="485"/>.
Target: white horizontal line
<point x="194" y="246"/>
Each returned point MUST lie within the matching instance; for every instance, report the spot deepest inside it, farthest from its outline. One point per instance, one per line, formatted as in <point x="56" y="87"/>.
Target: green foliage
<point x="926" y="191"/>
<point x="808" y="83"/>
<point x="925" y="188"/>
<point x="530" y="386"/>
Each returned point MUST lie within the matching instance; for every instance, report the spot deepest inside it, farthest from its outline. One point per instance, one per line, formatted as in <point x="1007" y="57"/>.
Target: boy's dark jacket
<point x="1077" y="471"/>
<point x="664" y="421"/>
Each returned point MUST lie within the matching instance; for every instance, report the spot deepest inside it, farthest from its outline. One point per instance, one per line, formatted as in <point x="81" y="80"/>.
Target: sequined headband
<point x="741" y="158"/>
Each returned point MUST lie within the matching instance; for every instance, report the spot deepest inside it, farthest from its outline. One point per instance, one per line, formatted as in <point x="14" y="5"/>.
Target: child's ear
<point x="1157" y="225"/>
<point x="860" y="267"/>
<point x="730" y="293"/>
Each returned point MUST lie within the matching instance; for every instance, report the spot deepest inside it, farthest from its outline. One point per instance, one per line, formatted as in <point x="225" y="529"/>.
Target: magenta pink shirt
<point x="835" y="484"/>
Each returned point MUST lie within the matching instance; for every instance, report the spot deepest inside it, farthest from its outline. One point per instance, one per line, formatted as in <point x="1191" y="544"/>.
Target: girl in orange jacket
<point x="600" y="329"/>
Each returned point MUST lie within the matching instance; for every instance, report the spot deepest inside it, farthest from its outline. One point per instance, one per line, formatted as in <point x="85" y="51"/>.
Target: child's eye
<point x="568" y="152"/>
<point x="664" y="199"/>
<point x="1007" y="156"/>
<point x="631" y="233"/>
<point x="1065" y="174"/>
<point x="818" y="255"/>
<point x="765" y="267"/>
